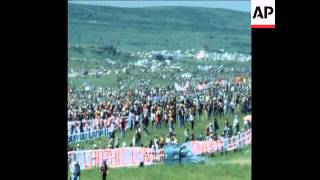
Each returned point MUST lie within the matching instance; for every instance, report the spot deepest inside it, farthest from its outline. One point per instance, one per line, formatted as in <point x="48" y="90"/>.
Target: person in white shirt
<point x="136" y="121"/>
<point x="155" y="143"/>
<point x="232" y="107"/>
<point x="72" y="168"/>
<point x="168" y="140"/>
<point x="191" y="118"/>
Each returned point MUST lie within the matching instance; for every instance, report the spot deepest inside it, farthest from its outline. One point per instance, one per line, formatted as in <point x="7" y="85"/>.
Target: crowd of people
<point x="143" y="107"/>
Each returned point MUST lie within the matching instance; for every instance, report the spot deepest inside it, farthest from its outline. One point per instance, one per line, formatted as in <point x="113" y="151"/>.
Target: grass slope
<point x="133" y="29"/>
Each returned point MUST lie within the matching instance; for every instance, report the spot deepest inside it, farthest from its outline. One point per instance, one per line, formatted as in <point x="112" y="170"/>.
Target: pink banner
<point x="120" y="157"/>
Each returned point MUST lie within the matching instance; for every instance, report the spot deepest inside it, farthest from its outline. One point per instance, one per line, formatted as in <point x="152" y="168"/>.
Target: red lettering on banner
<point x="213" y="146"/>
<point x="85" y="159"/>
<point x="118" y="156"/>
<point x="115" y="153"/>
<point x="121" y="156"/>
<point x="97" y="158"/>
<point x="161" y="154"/>
<point x="103" y="154"/>
<point x="201" y="147"/>
<point x="219" y="145"/>
<point x="91" y="158"/>
<point x="204" y="146"/>
<point x="113" y="158"/>
<point x="139" y="154"/>
<point x="108" y="155"/>
<point x="198" y="147"/>
<point x="131" y="155"/>
<point x="195" y="148"/>
<point x="151" y="157"/>
<point x="207" y="146"/>
<point x="142" y="153"/>
<point x="100" y="157"/>
<point x="210" y="149"/>
<point x="153" y="154"/>
<point x="148" y="156"/>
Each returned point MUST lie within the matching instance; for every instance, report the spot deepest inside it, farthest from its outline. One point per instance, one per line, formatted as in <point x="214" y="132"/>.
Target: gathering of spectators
<point x="143" y="107"/>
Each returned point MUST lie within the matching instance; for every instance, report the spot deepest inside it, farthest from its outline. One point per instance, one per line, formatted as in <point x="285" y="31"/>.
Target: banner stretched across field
<point x="202" y="86"/>
<point x="180" y="88"/>
<point x="226" y="144"/>
<point x="108" y="126"/>
<point x="89" y="135"/>
<point x="132" y="156"/>
<point x="120" y="157"/>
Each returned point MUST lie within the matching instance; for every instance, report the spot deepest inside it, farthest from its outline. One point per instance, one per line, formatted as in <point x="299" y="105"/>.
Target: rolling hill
<point x="156" y="28"/>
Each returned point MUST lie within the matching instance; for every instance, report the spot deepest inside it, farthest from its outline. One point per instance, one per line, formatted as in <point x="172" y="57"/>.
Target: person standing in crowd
<point x="210" y="109"/>
<point x="156" y="143"/>
<point x="72" y="169"/>
<point x="116" y="143"/>
<point x="220" y="108"/>
<point x="236" y="125"/>
<point x="145" y="122"/>
<point x="200" y="110"/>
<point x="232" y="107"/>
<point x="76" y="173"/>
<point x="191" y="119"/>
<point x="152" y="116"/>
<point x="131" y="118"/>
<point x="192" y="137"/>
<point x="211" y="129"/>
<point x="180" y="116"/>
<point x="122" y="126"/>
<point x="158" y="118"/>
<point x="136" y="120"/>
<point x="104" y="170"/>
<point x="161" y="142"/>
<point x="168" y="139"/>
<point x="174" y="139"/>
<point x="138" y="137"/>
<point x="216" y="125"/>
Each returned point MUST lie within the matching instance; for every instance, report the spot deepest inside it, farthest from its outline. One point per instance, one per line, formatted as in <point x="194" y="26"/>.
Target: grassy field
<point x="232" y="166"/>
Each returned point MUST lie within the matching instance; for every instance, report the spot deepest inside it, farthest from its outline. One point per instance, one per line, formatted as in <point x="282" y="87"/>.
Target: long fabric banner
<point x="120" y="157"/>
<point x="226" y="144"/>
<point x="89" y="135"/>
<point x="180" y="88"/>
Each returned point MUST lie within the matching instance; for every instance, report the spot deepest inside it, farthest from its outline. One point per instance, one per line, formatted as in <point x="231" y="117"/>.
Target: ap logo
<point x="263" y="13"/>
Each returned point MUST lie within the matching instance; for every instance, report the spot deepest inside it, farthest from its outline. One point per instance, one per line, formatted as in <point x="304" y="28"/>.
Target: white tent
<point x="186" y="75"/>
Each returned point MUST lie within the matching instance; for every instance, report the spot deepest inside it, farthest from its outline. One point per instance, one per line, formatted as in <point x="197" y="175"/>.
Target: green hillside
<point x="170" y="28"/>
